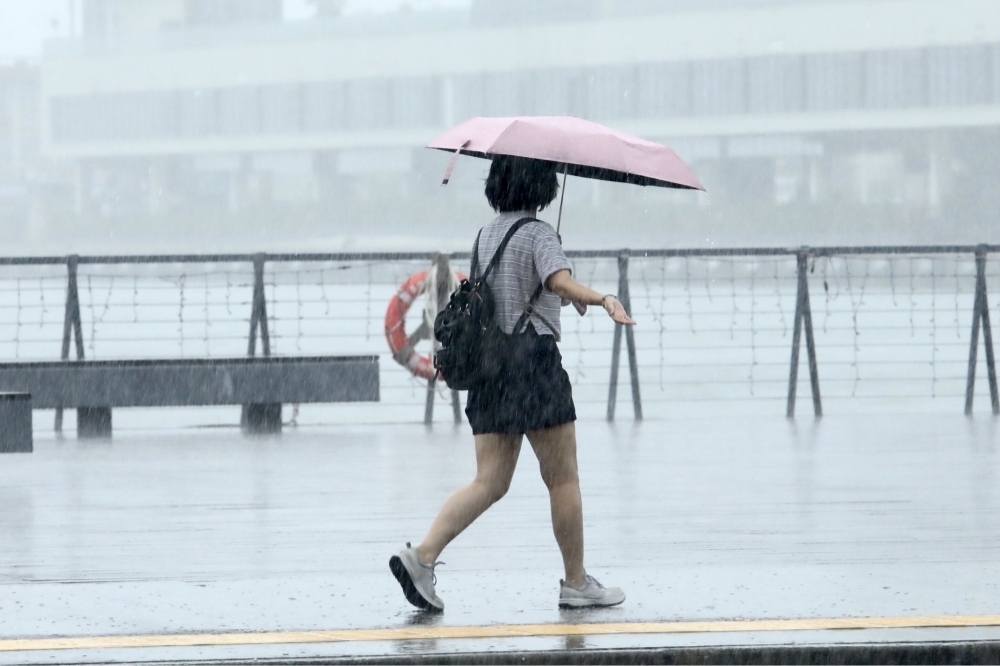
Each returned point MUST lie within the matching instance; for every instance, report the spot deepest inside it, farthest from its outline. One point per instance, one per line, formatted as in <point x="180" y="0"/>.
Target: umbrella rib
<point x="624" y="160"/>
<point x="501" y="135"/>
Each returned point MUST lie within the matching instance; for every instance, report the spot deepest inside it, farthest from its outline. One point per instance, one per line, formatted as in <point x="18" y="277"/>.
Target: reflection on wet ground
<point x="195" y="531"/>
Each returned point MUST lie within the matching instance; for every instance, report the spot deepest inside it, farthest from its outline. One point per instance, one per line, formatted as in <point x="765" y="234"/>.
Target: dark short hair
<point x="520" y="183"/>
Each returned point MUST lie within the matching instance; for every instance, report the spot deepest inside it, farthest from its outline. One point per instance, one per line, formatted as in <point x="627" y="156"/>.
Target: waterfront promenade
<point x="201" y="531"/>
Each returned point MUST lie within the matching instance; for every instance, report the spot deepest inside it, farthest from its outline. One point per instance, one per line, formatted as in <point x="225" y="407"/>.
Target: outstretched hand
<point x="616" y="311"/>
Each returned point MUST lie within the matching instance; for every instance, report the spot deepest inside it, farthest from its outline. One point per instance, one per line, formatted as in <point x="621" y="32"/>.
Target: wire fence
<point x="892" y="326"/>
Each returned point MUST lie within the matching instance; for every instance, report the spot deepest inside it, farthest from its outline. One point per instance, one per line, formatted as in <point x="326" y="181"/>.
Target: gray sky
<point x="26" y="24"/>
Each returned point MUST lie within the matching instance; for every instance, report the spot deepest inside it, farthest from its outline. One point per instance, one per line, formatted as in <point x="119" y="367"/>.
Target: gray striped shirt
<point x="531" y="257"/>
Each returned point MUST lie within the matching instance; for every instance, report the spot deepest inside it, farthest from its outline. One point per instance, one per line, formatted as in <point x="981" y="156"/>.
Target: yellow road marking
<point x="496" y="631"/>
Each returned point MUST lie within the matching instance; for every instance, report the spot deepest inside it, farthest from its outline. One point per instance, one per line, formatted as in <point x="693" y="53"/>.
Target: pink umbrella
<point x="579" y="147"/>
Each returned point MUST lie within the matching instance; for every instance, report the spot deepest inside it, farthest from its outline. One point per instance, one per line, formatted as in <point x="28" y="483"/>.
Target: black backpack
<point x="472" y="344"/>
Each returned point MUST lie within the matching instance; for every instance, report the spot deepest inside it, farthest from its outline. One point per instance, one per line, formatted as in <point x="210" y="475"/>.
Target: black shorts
<point x="533" y="393"/>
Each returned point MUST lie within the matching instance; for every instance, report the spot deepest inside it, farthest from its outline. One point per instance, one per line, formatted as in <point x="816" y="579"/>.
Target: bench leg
<point x="262" y="418"/>
<point x="15" y="423"/>
<point x="93" y="422"/>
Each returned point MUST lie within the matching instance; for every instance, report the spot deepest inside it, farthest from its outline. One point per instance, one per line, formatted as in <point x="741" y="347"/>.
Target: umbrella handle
<point x="562" y="197"/>
<point x="451" y="163"/>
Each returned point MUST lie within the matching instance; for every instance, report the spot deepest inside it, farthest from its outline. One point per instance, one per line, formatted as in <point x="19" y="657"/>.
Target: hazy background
<point x="232" y="125"/>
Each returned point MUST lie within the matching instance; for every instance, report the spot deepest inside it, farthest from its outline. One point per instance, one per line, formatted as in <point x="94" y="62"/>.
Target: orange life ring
<point x="395" y="326"/>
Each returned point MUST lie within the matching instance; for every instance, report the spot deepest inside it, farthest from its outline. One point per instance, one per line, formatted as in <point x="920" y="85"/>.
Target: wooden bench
<point x="261" y="385"/>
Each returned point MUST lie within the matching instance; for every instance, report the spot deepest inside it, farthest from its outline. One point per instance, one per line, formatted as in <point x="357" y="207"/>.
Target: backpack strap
<point x="528" y="309"/>
<point x="475" y="257"/>
<point x="495" y="261"/>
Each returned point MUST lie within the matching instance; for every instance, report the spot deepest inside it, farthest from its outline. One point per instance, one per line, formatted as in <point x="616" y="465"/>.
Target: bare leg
<point x="496" y="458"/>
<point x="555" y="449"/>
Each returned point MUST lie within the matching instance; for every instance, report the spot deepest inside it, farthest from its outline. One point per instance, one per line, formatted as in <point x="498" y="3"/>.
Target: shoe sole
<point x="398" y="570"/>
<point x="583" y="603"/>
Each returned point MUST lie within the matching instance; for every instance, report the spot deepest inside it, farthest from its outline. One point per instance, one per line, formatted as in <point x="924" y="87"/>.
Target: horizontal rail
<point x="573" y="254"/>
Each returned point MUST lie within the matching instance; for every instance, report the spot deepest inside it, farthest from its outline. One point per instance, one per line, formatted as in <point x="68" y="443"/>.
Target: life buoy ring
<point x="395" y="326"/>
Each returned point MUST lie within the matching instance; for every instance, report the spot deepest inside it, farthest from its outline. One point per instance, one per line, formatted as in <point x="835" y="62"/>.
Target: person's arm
<point x="563" y="284"/>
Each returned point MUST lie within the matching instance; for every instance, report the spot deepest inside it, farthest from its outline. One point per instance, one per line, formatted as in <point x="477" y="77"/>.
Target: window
<point x="416" y="102"/>
<point x="281" y="109"/>
<point x="834" y="81"/>
<point x="718" y="87"/>
<point x="324" y="107"/>
<point x="664" y="89"/>
<point x="958" y="75"/>
<point x="547" y="92"/>
<point x="894" y="79"/>
<point x="775" y="84"/>
<point x="611" y="92"/>
<point x="995" y="60"/>
<point x="198" y="112"/>
<point x="239" y="110"/>
<point x="369" y="104"/>
<point x="468" y="96"/>
<point x="501" y="94"/>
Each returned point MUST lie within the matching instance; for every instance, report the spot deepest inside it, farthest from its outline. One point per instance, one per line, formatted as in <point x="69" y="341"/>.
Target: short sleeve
<point x="548" y="253"/>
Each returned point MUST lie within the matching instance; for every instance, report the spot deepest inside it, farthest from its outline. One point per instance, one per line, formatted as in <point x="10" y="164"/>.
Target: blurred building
<point x="831" y="109"/>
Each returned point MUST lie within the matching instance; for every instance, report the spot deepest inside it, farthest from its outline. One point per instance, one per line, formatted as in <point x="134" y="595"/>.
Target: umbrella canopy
<point x="580" y="147"/>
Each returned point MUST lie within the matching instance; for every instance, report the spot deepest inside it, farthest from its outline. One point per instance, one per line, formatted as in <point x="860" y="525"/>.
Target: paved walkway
<point x="204" y="532"/>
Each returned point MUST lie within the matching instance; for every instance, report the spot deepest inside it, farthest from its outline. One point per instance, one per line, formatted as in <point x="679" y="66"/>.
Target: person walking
<point x="533" y="397"/>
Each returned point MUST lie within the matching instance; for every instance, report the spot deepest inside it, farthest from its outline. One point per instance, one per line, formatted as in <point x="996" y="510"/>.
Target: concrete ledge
<point x="93" y="422"/>
<point x="15" y="423"/>
<point x="261" y="418"/>
<point x="261" y="385"/>
<point x="191" y="382"/>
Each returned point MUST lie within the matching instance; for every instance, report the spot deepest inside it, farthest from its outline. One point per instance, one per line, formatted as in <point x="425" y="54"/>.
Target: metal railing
<point x="805" y="259"/>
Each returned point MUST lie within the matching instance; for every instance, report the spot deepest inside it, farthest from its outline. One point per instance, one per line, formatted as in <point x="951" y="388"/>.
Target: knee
<point x="558" y="478"/>
<point x="494" y="489"/>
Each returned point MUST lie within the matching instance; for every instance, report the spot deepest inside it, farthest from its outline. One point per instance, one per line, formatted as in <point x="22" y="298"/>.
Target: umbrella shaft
<point x="562" y="197"/>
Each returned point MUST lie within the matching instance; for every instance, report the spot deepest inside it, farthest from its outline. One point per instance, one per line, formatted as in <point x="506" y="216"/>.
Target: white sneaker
<point x="417" y="579"/>
<point x="590" y="595"/>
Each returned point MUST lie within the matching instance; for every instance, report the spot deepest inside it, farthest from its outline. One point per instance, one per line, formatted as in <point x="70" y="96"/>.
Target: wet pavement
<point x="203" y="531"/>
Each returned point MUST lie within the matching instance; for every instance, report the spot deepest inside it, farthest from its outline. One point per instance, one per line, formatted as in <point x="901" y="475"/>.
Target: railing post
<point x="981" y="316"/>
<point x="258" y="310"/>
<point x="442" y="278"/>
<point x="633" y="362"/>
<point x="72" y="326"/>
<point x="616" y="347"/>
<point x="807" y="321"/>
<point x="263" y="417"/>
<point x="803" y="316"/>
